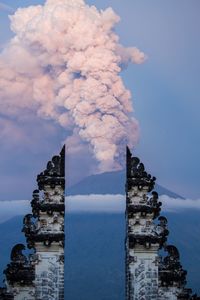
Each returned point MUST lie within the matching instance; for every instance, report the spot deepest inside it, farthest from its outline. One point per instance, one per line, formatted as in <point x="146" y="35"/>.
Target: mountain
<point x="109" y="183"/>
<point x="94" y="253"/>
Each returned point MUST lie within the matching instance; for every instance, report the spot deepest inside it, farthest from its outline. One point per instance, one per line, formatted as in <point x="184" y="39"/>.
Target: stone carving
<point x="145" y="280"/>
<point x="45" y="205"/>
<point x="48" y="277"/>
<point x="145" y="205"/>
<point x="170" y="270"/>
<point x="5" y="295"/>
<point x="17" y="255"/>
<point x="20" y="269"/>
<point x="161" y="228"/>
<point x="136" y="174"/>
<point x="143" y="234"/>
<point x="148" y="276"/>
<point x="28" y="225"/>
<point x="49" y="208"/>
<point x="54" y="173"/>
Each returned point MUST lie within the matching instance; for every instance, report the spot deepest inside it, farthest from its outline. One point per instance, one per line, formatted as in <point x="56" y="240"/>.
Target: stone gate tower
<point x="149" y="276"/>
<point x="40" y="276"/>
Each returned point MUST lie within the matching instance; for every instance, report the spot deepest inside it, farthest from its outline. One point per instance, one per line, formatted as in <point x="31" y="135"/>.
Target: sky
<point x="165" y="93"/>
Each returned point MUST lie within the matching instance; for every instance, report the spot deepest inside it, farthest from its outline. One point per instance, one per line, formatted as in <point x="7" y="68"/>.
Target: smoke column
<point x="64" y="64"/>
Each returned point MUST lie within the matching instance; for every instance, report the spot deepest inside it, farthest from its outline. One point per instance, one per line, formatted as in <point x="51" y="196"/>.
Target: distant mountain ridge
<point x="109" y="183"/>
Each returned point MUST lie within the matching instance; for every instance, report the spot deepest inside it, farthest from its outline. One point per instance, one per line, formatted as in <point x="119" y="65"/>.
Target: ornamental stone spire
<point x="149" y="276"/>
<point x="144" y="237"/>
<point x="41" y="274"/>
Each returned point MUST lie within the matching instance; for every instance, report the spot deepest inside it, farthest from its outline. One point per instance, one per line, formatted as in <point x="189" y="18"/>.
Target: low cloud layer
<point x="116" y="203"/>
<point x="10" y="209"/>
<point x="176" y="204"/>
<point x="79" y="203"/>
<point x="95" y="203"/>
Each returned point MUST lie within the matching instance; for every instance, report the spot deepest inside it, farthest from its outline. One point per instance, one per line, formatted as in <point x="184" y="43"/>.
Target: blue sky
<point x="165" y="93"/>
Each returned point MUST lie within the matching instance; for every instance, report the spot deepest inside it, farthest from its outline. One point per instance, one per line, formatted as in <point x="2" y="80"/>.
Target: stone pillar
<point x="47" y="236"/>
<point x="143" y="237"/>
<point x="41" y="275"/>
<point x="44" y="230"/>
<point x="148" y="275"/>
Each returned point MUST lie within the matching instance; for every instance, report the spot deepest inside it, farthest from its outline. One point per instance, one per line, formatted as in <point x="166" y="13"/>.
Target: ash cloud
<point x="64" y="64"/>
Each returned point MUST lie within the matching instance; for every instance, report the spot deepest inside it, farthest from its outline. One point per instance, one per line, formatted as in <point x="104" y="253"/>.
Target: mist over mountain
<point x="109" y="183"/>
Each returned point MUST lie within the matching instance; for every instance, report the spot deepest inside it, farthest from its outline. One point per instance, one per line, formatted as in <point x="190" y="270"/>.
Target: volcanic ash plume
<point x="64" y="63"/>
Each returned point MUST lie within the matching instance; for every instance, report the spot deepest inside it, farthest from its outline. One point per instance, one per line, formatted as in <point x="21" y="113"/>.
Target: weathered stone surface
<point x="48" y="236"/>
<point x="149" y="276"/>
<point x="41" y="275"/>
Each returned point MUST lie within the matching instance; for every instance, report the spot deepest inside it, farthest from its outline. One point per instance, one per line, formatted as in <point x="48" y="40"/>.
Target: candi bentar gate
<point x="149" y="275"/>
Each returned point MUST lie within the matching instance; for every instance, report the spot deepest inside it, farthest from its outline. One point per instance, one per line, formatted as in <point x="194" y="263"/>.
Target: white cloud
<point x="79" y="203"/>
<point x="176" y="204"/>
<point x="95" y="203"/>
<point x="10" y="209"/>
